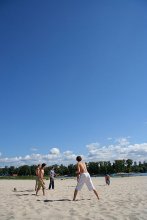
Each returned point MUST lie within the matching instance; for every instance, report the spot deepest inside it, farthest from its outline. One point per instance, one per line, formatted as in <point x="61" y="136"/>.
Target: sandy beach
<point x="125" y="198"/>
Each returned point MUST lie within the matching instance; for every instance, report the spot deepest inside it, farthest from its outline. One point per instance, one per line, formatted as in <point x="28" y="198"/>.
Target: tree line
<point x="94" y="168"/>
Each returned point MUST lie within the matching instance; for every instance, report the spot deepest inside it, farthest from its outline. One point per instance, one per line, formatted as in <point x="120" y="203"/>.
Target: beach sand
<point x="125" y="198"/>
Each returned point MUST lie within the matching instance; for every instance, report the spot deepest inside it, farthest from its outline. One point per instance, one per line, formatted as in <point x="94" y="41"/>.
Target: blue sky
<point x="73" y="80"/>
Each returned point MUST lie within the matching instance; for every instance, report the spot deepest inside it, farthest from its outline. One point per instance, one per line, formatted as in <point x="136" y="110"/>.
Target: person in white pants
<point x="83" y="177"/>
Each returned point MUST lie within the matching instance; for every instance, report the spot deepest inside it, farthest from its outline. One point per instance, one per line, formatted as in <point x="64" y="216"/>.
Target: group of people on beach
<point x="83" y="177"/>
<point x="40" y="175"/>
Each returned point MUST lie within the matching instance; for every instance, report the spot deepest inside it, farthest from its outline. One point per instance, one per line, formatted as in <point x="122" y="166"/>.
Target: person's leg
<point x="37" y="191"/>
<point x="79" y="186"/>
<point x="36" y="185"/>
<point x="43" y="187"/>
<point x="75" y="194"/>
<point x="38" y="188"/>
<point x="95" y="192"/>
<point x="90" y="185"/>
<point x="50" y="183"/>
<point x="43" y="190"/>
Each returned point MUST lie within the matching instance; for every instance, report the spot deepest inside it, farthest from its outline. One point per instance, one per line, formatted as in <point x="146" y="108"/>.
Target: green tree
<point x="6" y="171"/>
<point x="71" y="170"/>
<point x="135" y="167"/>
<point x="119" y="166"/>
<point x="93" y="168"/>
<point x="129" y="163"/>
<point x="11" y="170"/>
<point x="63" y="170"/>
<point x="33" y="170"/>
<point x="24" y="170"/>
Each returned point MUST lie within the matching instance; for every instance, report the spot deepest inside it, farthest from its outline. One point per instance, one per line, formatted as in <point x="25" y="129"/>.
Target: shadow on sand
<point x="24" y="194"/>
<point x="28" y="190"/>
<point x="61" y="200"/>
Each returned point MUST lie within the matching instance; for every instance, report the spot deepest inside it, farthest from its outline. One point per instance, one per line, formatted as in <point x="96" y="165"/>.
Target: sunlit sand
<point x="125" y="198"/>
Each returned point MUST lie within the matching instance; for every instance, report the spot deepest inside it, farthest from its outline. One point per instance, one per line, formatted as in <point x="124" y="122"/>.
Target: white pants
<point x="85" y="178"/>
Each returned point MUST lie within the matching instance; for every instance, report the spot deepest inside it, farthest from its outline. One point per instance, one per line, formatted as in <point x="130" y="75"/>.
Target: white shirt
<point x="52" y="174"/>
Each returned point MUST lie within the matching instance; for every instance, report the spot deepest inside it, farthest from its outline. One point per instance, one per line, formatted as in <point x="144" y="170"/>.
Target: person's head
<point x="78" y="158"/>
<point x="39" y="165"/>
<point x="52" y="168"/>
<point x="43" y="165"/>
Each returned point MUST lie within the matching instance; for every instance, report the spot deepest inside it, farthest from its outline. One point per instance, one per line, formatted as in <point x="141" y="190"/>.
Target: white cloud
<point x="55" y="151"/>
<point x="27" y="157"/>
<point x="69" y="156"/>
<point x="120" y="149"/>
<point x="93" y="146"/>
<point x="122" y="141"/>
<point x="97" y="152"/>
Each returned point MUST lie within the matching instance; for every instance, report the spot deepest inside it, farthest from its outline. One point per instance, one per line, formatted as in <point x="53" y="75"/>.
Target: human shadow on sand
<point x="56" y="200"/>
<point x="24" y="194"/>
<point x="60" y="200"/>
<point x="28" y="190"/>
